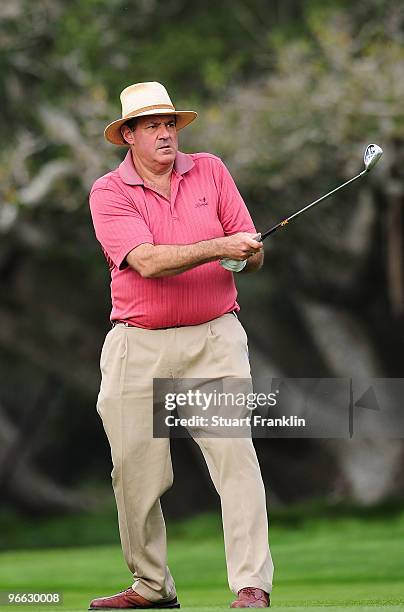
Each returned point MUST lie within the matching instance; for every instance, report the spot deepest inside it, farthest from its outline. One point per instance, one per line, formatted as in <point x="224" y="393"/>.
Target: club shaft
<point x="302" y="210"/>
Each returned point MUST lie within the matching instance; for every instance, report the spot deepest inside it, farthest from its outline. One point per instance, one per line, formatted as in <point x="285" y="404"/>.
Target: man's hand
<point x="252" y="250"/>
<point x="239" y="246"/>
<point x="254" y="263"/>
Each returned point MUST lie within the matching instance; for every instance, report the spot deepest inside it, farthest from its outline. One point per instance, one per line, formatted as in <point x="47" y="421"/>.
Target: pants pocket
<point x="229" y="346"/>
<point x="113" y="366"/>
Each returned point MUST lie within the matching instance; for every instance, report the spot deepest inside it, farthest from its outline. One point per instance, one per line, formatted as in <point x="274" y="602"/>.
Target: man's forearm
<point x="169" y="260"/>
<point x="152" y="261"/>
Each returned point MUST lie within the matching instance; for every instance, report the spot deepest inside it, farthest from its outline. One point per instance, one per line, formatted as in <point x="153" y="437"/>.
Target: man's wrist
<point x="214" y="248"/>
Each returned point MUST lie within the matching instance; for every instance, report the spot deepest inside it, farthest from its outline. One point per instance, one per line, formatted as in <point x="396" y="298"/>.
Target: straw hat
<point x="144" y="99"/>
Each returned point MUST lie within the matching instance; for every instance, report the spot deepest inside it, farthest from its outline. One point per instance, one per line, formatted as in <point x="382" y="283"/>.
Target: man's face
<point x="154" y="139"/>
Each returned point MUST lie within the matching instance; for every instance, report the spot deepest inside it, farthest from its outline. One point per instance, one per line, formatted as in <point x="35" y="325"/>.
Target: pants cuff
<point x="148" y="593"/>
<point x="252" y="582"/>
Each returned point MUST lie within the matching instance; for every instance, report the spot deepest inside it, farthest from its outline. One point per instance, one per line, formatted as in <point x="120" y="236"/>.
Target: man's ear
<point x="127" y="134"/>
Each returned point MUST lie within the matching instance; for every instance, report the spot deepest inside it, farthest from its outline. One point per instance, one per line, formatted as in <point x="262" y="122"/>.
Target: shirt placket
<point x="175" y="184"/>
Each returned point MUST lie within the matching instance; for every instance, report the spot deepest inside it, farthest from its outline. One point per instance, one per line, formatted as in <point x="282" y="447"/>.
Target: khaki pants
<point x="131" y="357"/>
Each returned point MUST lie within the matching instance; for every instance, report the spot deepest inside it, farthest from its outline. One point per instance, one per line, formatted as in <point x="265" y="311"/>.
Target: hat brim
<point x="113" y="134"/>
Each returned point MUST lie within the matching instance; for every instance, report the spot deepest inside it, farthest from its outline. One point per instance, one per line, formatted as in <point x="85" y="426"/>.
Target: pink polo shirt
<point x="205" y="204"/>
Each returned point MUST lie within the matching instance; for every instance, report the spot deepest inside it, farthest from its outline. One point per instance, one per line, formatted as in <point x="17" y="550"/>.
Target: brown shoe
<point x="129" y="599"/>
<point x="250" y="597"/>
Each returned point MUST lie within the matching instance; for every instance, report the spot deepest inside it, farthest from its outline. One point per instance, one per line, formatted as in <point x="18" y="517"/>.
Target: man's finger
<point x="257" y="246"/>
<point x="253" y="242"/>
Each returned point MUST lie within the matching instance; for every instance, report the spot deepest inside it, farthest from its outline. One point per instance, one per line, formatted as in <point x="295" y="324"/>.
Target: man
<point x="165" y="220"/>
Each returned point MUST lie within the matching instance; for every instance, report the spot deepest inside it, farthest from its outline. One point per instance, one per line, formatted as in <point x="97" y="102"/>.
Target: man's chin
<point x="166" y="155"/>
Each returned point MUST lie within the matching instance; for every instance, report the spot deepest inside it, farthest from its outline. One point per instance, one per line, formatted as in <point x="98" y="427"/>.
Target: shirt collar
<point x="128" y="174"/>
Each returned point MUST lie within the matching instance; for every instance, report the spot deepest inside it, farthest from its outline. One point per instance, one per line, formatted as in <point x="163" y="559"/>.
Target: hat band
<point x="147" y="108"/>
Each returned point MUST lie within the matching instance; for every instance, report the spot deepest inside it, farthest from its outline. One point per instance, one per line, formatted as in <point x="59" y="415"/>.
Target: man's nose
<point x="163" y="131"/>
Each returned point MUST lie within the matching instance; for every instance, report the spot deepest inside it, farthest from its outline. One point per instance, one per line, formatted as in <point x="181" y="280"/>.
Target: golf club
<point x="370" y="158"/>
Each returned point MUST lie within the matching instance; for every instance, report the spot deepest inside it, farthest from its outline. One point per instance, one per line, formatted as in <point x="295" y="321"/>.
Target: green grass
<point x="343" y="563"/>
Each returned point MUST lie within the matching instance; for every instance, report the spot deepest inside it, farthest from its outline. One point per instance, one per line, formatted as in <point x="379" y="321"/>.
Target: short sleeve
<point x="119" y="227"/>
<point x="233" y="213"/>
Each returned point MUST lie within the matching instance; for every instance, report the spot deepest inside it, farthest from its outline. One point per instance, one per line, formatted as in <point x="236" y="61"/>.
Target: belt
<point x="114" y="323"/>
<point x="126" y="324"/>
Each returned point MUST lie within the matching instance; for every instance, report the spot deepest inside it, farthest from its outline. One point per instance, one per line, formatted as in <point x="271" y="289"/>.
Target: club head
<point x="372" y="155"/>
